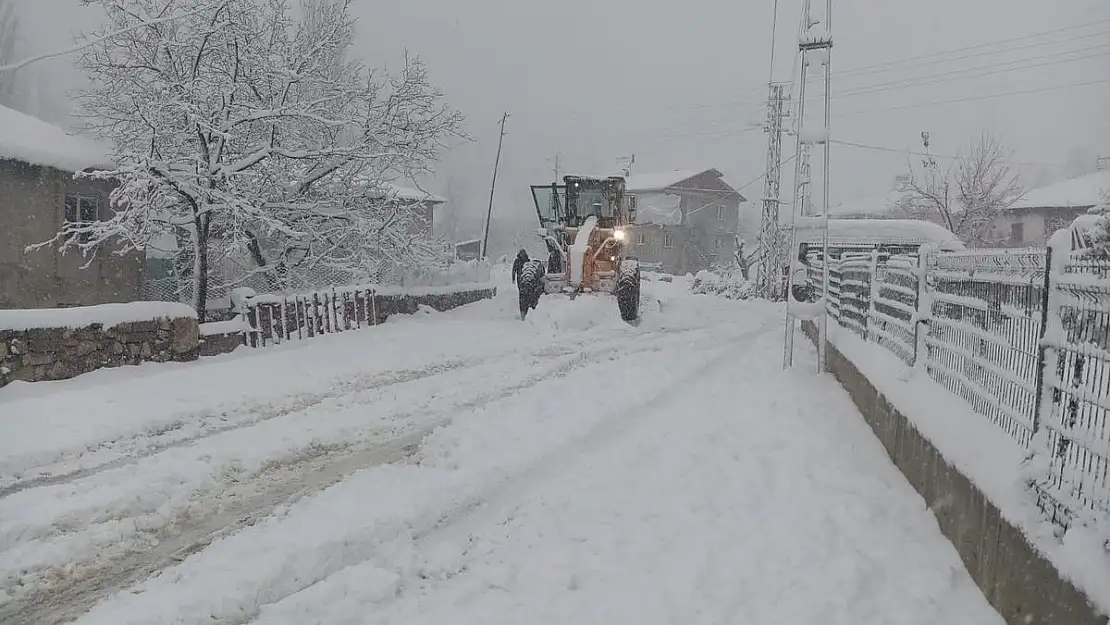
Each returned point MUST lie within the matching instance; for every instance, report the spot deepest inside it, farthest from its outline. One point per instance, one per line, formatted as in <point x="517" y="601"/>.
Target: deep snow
<point x="470" y="467"/>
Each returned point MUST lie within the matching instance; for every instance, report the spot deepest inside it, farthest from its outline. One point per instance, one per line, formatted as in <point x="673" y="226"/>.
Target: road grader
<point x="586" y="225"/>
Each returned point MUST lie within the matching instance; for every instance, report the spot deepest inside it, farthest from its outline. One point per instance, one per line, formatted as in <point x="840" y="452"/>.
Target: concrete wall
<point x="1019" y="582"/>
<point x="32" y="207"/>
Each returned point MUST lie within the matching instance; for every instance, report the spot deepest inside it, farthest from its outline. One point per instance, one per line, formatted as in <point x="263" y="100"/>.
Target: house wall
<point x="711" y="210"/>
<point x="1037" y="225"/>
<point x="32" y="201"/>
<point x="648" y="245"/>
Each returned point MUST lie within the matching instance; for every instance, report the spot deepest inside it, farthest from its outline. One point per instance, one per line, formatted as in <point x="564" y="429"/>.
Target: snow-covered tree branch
<point x="1102" y="227"/>
<point x="966" y="196"/>
<point x="245" y="128"/>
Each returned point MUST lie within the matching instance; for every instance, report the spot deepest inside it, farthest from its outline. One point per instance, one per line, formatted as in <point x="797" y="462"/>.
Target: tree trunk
<point x="200" y="267"/>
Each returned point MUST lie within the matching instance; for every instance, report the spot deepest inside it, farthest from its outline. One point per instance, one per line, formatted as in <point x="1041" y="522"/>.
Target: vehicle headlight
<point x="618" y="235"/>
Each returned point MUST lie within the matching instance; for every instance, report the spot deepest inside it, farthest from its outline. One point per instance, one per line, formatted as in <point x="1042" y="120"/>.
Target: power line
<point x="878" y="148"/>
<point x="931" y="79"/>
<point x="916" y="60"/>
<point x="977" y="98"/>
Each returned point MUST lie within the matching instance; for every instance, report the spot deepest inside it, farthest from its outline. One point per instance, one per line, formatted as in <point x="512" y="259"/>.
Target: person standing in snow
<point x="518" y="264"/>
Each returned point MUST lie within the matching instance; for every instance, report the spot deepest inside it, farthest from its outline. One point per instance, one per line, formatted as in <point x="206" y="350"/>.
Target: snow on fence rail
<point x="273" y="319"/>
<point x="1023" y="336"/>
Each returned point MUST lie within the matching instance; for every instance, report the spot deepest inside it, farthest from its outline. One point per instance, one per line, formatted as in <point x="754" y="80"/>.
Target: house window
<point x="718" y="243"/>
<point x="1017" y="232"/>
<point x="80" y="210"/>
<point x="641" y="239"/>
<point x="722" y="213"/>
<point x="668" y="240"/>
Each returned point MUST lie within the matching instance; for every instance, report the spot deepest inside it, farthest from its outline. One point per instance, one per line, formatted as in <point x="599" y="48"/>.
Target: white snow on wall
<point x="107" y="314"/>
<point x="1076" y="193"/>
<point x="661" y="209"/>
<point x="31" y="140"/>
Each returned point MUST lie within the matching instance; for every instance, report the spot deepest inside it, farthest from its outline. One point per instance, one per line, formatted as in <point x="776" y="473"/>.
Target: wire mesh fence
<point x="1022" y="337"/>
<point x="1075" y="411"/>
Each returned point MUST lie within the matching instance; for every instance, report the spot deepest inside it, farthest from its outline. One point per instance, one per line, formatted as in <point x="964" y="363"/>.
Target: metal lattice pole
<point x="814" y="44"/>
<point x="770" y="246"/>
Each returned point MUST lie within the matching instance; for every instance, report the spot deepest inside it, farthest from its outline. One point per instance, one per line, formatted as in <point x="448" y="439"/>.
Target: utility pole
<point x="770" y="247"/>
<point x="814" y="45"/>
<point x="493" y="185"/>
<point x="627" y="170"/>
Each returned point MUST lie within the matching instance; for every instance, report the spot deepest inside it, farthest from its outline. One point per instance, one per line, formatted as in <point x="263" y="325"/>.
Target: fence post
<point x="924" y="308"/>
<point x="873" y="291"/>
<point x="1043" y="398"/>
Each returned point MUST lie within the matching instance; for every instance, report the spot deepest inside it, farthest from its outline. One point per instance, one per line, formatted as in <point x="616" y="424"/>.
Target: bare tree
<point x="248" y="132"/>
<point x="968" y="194"/>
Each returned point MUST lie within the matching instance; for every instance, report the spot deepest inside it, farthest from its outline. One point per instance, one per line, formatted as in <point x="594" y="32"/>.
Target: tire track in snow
<point x="256" y="414"/>
<point x="79" y="586"/>
<point x="454" y="527"/>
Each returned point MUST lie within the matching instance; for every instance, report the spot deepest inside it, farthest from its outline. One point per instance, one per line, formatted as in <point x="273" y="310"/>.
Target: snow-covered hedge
<point x="730" y="285"/>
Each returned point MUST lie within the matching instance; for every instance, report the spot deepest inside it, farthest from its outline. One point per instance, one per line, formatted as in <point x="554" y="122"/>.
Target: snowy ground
<point x="468" y="467"/>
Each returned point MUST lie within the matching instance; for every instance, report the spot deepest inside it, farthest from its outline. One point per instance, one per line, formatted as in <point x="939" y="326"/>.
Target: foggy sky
<point x="680" y="85"/>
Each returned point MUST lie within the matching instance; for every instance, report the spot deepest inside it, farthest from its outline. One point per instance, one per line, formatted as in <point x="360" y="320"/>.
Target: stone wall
<point x="40" y="354"/>
<point x="1018" y="581"/>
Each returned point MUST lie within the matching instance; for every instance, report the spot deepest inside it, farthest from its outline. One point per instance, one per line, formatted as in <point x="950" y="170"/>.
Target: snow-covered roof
<point x="1081" y="192"/>
<point x="659" y="180"/>
<point x="31" y="140"/>
<point x="407" y="193"/>
<point x="904" y="231"/>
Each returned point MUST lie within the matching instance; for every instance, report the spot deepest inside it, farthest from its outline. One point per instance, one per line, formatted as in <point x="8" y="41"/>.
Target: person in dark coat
<point x="518" y="264"/>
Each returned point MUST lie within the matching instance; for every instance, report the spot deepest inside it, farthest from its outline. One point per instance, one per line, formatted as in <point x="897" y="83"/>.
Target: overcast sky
<point x="681" y="84"/>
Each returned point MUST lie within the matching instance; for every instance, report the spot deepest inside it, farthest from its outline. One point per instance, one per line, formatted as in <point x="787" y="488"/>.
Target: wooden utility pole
<point x="493" y="185"/>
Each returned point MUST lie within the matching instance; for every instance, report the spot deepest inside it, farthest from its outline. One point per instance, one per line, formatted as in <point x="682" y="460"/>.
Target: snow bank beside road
<point x="983" y="453"/>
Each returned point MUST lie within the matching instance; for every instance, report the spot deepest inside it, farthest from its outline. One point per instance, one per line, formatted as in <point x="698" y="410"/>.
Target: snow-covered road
<point x="468" y="467"/>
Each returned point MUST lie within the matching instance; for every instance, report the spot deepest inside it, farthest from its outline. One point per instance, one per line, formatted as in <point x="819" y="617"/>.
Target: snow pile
<point x="457" y="273"/>
<point x="730" y="285"/>
<point x="107" y="315"/>
<point x="31" y="140"/>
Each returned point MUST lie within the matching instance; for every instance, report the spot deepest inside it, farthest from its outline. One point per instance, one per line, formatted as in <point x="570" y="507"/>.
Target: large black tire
<point x="530" y="284"/>
<point x="628" y="290"/>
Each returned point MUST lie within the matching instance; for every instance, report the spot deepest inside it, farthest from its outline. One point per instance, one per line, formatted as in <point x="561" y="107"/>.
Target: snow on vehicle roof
<point x="31" y="140"/>
<point x="1081" y="192"/>
<point x="906" y="231"/>
<point x="659" y="181"/>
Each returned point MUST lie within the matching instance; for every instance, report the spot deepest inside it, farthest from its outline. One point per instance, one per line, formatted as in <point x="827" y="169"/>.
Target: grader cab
<point x="586" y="223"/>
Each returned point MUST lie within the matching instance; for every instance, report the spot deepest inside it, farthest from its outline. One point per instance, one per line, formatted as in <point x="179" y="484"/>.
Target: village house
<point x="686" y="221"/>
<point x="1035" y="217"/>
<point x="38" y="193"/>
